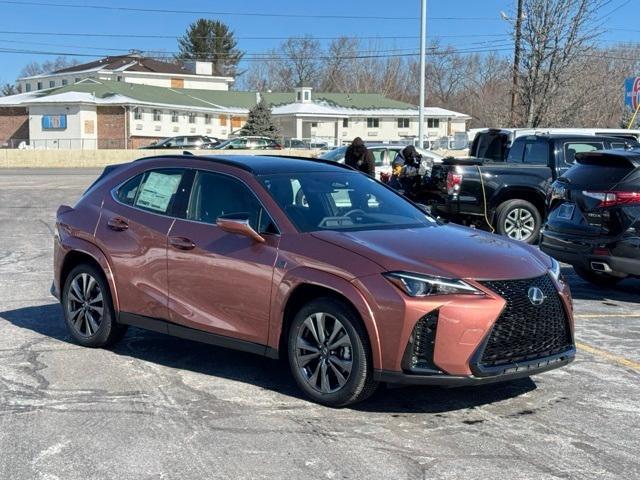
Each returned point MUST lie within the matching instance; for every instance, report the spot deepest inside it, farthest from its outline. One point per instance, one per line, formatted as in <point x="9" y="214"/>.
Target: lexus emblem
<point x="536" y="296"/>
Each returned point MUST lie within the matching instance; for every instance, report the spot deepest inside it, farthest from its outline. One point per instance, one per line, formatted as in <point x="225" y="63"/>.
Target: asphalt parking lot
<point x="160" y="407"/>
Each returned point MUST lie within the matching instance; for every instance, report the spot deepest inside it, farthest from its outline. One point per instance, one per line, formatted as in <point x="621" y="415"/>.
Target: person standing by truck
<point x="359" y="157"/>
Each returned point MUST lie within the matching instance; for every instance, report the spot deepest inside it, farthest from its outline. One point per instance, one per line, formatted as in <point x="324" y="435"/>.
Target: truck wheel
<point x="598" y="278"/>
<point x="329" y="355"/>
<point x="518" y="219"/>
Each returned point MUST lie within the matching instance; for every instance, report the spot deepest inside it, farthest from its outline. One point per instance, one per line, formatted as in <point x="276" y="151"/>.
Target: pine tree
<point x="211" y="41"/>
<point x="260" y="122"/>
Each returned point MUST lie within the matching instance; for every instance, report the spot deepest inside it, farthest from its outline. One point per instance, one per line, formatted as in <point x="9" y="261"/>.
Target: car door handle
<point x="181" y="243"/>
<point x="117" y="224"/>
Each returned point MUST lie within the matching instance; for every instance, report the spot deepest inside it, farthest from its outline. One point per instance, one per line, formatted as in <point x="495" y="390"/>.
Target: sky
<point x="466" y="24"/>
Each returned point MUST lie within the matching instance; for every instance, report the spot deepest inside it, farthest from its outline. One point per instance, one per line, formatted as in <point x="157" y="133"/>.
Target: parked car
<point x="190" y="142"/>
<point x="594" y="217"/>
<point x="216" y="249"/>
<point x="306" y="144"/>
<point x="509" y="196"/>
<point x="383" y="155"/>
<point x="249" y="143"/>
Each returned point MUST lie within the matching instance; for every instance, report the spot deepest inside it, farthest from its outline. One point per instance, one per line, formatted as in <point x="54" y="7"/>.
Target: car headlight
<point x="418" y="285"/>
<point x="555" y="270"/>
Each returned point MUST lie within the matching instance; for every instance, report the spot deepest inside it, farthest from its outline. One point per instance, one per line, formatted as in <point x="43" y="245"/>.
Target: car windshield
<point x="342" y="201"/>
<point x="335" y="154"/>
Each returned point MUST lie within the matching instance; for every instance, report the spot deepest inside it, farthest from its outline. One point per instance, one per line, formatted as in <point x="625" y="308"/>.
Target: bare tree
<point x="555" y="34"/>
<point x="301" y="60"/>
<point x="337" y="73"/>
<point x="48" y="66"/>
<point x="8" y="89"/>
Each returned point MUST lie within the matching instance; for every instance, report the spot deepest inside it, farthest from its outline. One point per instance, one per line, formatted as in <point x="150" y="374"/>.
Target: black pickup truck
<point x="508" y="195"/>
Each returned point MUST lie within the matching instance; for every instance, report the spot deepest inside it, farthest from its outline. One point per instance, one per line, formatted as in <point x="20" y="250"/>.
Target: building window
<point x="27" y="87"/>
<point x="192" y="117"/>
<point x="52" y="83"/>
<point x="345" y="123"/>
<point x="403" y="123"/>
<point x="157" y="116"/>
<point x="207" y="119"/>
<point x="77" y="80"/>
<point x="433" y="123"/>
<point x="64" y="82"/>
<point x="174" y="116"/>
<point x="314" y="124"/>
<point x="307" y="95"/>
<point x="39" y="86"/>
<point x="119" y="78"/>
<point x="299" y="96"/>
<point x="137" y="114"/>
<point x="373" y="122"/>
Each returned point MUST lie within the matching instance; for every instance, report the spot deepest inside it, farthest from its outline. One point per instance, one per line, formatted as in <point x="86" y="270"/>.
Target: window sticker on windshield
<point x="157" y="191"/>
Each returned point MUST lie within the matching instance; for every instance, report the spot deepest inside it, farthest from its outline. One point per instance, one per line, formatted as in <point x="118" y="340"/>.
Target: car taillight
<point x="611" y="199"/>
<point x="278" y="146"/>
<point x="454" y="180"/>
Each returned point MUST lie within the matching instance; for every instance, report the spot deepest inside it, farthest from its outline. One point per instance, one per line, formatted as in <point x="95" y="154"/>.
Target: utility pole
<point x="516" y="64"/>
<point x="423" y="48"/>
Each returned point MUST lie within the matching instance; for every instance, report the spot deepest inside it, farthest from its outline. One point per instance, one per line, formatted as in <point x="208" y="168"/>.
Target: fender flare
<point x="75" y="244"/>
<point x="506" y="190"/>
<point x="310" y="276"/>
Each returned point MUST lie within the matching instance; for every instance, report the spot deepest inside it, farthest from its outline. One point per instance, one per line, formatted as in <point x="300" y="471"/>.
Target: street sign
<point x="632" y="92"/>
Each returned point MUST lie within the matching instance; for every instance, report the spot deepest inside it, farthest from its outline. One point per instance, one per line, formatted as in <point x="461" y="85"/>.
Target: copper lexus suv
<point x="311" y="261"/>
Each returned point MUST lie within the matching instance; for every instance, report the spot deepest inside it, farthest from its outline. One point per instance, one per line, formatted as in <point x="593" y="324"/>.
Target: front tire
<point x="88" y="308"/>
<point x="519" y="220"/>
<point x="329" y="356"/>
<point x="605" y="280"/>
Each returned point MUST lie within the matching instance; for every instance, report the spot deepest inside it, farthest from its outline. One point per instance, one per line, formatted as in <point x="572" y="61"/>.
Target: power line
<point x="228" y="13"/>
<point x="173" y="37"/>
<point x="272" y="56"/>
<point x="148" y="52"/>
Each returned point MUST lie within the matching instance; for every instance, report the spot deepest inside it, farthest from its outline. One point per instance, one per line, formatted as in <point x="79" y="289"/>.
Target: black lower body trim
<point x="513" y="373"/>
<point x="162" y="326"/>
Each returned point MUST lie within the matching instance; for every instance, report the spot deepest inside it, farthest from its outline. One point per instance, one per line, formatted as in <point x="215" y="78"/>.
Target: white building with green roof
<point x="99" y="113"/>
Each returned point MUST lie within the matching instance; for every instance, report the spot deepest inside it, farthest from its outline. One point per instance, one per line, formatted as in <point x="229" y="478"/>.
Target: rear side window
<point x="536" y="152"/>
<point x="155" y="190"/>
<point x="515" y="152"/>
<point x="127" y="193"/>
<point x="158" y="190"/>
<point x="573" y="148"/>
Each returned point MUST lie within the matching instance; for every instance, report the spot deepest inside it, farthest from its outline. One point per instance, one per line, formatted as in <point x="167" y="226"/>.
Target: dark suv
<point x="594" y="216"/>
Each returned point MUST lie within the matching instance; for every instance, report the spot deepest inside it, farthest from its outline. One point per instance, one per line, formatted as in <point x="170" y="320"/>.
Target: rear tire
<point x="88" y="308"/>
<point x="519" y="220"/>
<point x="329" y="355"/>
<point x="600" y="279"/>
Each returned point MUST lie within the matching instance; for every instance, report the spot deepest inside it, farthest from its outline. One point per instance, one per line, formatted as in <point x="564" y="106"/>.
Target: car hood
<point x="444" y="250"/>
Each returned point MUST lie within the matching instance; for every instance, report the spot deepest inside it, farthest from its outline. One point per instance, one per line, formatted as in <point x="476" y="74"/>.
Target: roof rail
<point x="221" y="161"/>
<point x="310" y="159"/>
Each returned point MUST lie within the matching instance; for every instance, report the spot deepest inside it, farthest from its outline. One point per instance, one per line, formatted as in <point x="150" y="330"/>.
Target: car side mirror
<point x="238" y="224"/>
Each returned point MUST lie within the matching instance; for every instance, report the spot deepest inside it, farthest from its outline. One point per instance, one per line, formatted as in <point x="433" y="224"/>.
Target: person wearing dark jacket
<point x="359" y="157"/>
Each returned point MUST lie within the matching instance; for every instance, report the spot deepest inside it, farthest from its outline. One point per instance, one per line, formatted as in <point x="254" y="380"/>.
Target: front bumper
<point x="512" y="372"/>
